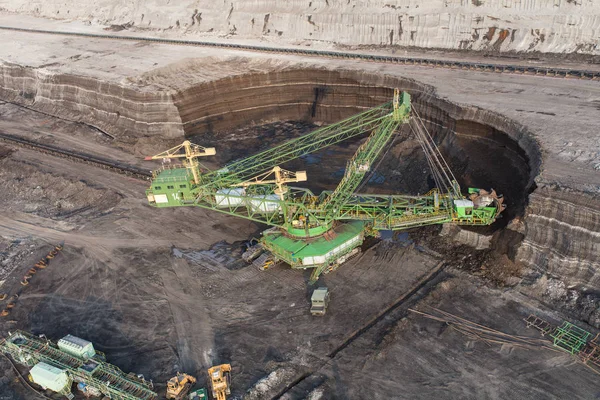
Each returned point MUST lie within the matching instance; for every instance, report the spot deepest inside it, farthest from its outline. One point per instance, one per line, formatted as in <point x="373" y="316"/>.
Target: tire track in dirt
<point x="194" y="332"/>
<point x="22" y="224"/>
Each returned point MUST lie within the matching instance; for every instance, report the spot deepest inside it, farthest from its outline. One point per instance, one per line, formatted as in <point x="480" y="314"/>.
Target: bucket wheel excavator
<point x="322" y="231"/>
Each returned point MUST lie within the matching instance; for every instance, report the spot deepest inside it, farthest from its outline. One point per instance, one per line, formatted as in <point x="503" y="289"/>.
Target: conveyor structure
<point x="113" y="383"/>
<point x="322" y="231"/>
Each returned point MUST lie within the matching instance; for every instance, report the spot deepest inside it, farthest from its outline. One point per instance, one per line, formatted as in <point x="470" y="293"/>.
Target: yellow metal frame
<point x="191" y="153"/>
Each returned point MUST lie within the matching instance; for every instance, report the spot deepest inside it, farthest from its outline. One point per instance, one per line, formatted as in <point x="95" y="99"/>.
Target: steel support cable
<point x="437" y="178"/>
<point x="445" y="168"/>
<point x="440" y="167"/>
<point x="436" y="148"/>
<point x="484" y="333"/>
<point x="434" y="164"/>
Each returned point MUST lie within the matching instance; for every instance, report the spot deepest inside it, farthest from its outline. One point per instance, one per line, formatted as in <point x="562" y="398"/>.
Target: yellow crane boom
<point x="280" y="178"/>
<point x="191" y="153"/>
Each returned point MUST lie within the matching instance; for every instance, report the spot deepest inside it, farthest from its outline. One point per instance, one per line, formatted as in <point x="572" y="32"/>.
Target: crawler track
<point x="115" y="166"/>
<point x="429" y="62"/>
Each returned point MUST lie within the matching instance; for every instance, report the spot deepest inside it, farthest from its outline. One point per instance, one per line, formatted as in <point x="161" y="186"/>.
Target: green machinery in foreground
<point x="93" y="372"/>
<point x="322" y="231"/>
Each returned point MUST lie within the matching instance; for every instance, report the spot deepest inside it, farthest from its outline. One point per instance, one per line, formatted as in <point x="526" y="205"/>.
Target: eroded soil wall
<point x="112" y="108"/>
<point x="485" y="149"/>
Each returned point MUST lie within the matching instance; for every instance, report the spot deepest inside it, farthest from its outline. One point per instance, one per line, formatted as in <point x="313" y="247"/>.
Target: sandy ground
<point x="557" y="59"/>
<point x="163" y="290"/>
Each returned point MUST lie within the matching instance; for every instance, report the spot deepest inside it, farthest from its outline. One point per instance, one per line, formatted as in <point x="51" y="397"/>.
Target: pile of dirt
<point x="28" y="189"/>
<point x="492" y="265"/>
<point x="14" y="252"/>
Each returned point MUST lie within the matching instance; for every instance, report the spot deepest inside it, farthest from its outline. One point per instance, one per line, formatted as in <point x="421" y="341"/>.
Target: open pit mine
<point x="300" y="200"/>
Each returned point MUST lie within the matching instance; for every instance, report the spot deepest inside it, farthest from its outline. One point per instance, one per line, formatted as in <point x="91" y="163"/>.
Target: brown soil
<point x="27" y="189"/>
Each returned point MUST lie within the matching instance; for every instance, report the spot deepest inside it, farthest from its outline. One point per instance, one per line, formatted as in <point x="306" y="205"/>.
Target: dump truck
<point x="179" y="385"/>
<point x="319" y="301"/>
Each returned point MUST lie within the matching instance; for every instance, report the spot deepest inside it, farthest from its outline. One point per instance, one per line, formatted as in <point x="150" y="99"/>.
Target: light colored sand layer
<point x="558" y="26"/>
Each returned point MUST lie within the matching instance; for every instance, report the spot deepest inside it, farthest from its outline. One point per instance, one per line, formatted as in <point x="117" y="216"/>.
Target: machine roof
<point x="319" y="294"/>
<point x="171" y="175"/>
<point x="75" y="340"/>
<point x="46" y="372"/>
<point x="321" y="245"/>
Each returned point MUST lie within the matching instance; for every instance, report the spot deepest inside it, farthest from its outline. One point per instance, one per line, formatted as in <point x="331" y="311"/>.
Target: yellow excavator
<point x="220" y="381"/>
<point x="179" y="385"/>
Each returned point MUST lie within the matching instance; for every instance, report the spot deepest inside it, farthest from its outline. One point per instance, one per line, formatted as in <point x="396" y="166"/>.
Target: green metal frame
<point x="357" y="167"/>
<point x="570" y="338"/>
<point x="301" y="214"/>
<point x="239" y="171"/>
<point x="110" y="380"/>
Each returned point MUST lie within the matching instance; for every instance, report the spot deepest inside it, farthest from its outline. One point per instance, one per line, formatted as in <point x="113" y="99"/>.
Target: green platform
<point x="311" y="253"/>
<point x="570" y="337"/>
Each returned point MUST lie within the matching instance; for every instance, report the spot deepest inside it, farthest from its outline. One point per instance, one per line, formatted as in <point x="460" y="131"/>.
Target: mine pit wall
<point x="559" y="228"/>
<point x="316" y="95"/>
<point x="556" y="26"/>
<point x="484" y="149"/>
<point x="115" y="109"/>
<point x="562" y="237"/>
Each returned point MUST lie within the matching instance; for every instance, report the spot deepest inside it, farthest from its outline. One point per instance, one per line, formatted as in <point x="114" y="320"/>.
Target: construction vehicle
<point x="220" y="381"/>
<point x="253" y="250"/>
<point x="319" y="301"/>
<point x="198" y="394"/>
<point x="322" y="231"/>
<point x="9" y="305"/>
<point x="179" y="385"/>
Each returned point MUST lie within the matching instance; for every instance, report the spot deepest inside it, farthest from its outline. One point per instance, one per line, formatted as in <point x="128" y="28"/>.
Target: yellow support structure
<point x="191" y="153"/>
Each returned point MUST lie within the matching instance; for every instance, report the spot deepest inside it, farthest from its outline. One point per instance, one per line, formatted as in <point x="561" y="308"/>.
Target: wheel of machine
<point x="3" y="296"/>
<point x="4" y="313"/>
